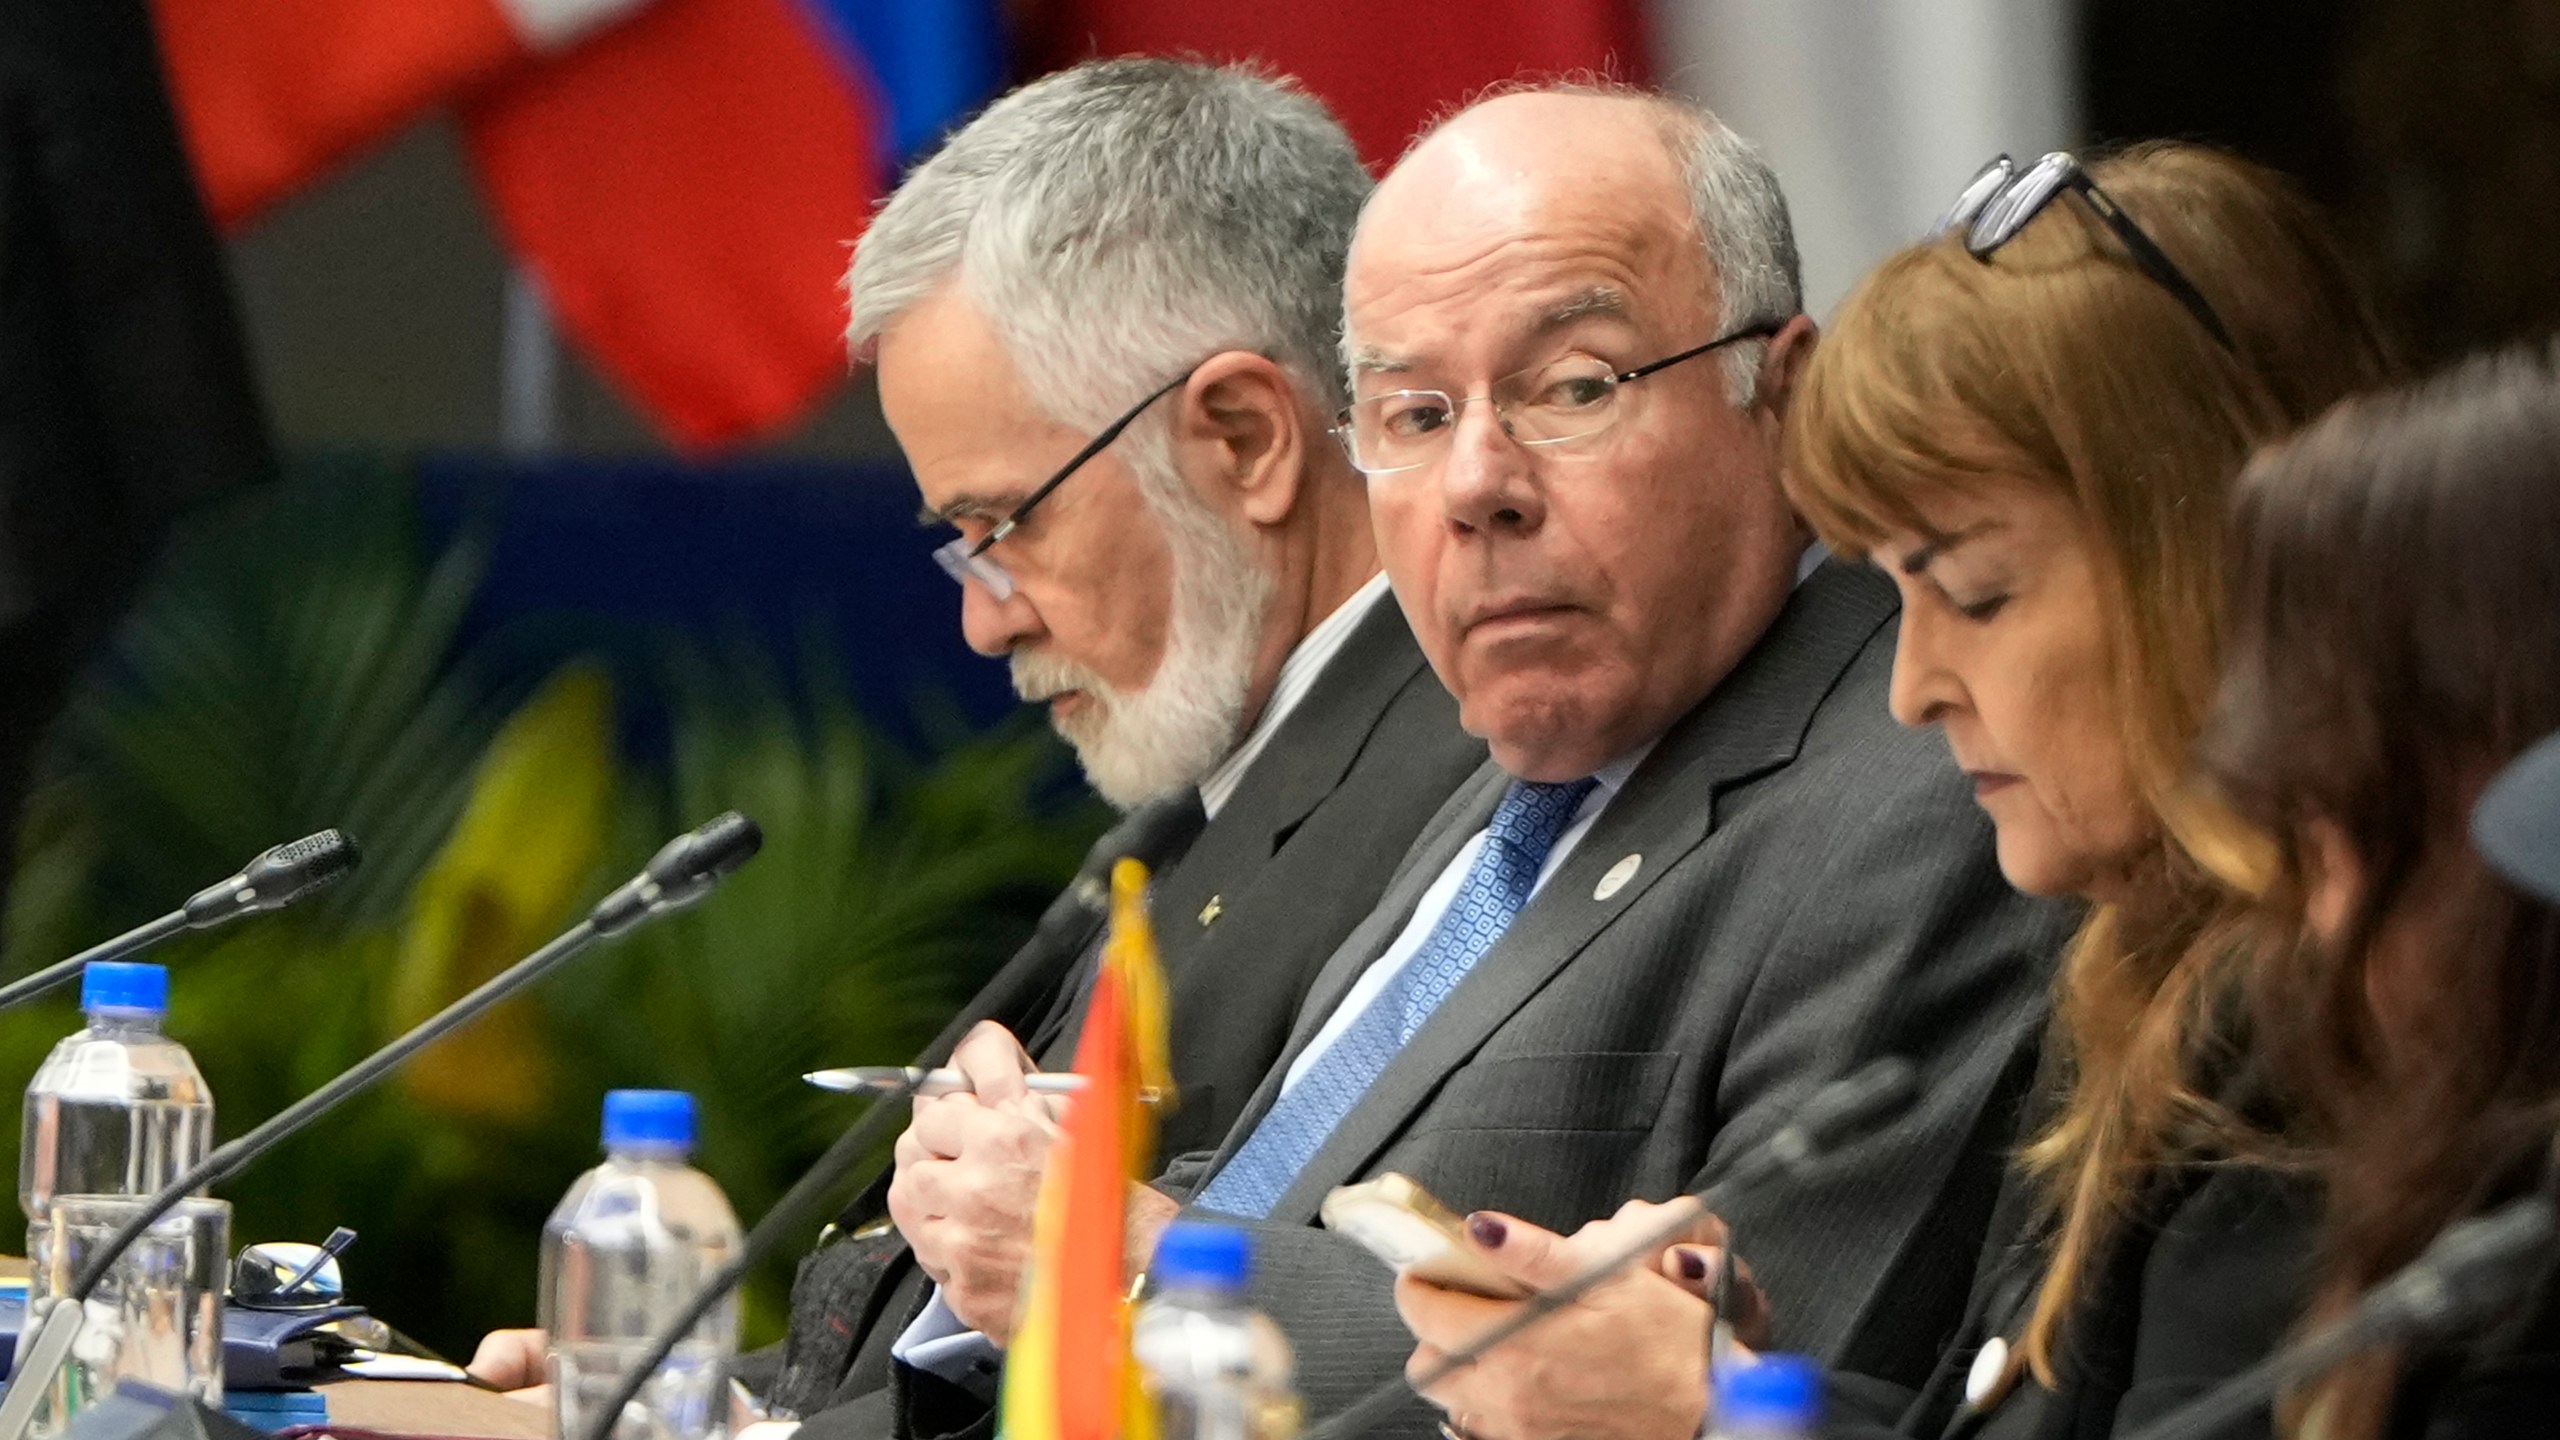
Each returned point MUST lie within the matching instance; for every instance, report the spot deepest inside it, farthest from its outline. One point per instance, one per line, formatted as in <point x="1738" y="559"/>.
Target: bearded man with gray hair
<point x="1106" y="317"/>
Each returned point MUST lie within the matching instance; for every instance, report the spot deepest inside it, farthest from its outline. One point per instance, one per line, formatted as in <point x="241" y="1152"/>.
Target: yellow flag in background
<point x="511" y="872"/>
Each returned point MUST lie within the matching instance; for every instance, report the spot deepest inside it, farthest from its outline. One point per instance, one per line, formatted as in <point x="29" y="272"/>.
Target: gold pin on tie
<point x="1210" y="912"/>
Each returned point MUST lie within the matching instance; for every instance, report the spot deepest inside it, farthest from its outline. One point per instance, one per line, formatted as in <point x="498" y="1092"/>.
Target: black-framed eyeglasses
<point x="965" y="560"/>
<point x="1999" y="201"/>
<point x="1573" y="397"/>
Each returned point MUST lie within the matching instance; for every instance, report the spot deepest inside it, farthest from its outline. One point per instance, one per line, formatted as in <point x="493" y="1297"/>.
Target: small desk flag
<point x="1068" y="1375"/>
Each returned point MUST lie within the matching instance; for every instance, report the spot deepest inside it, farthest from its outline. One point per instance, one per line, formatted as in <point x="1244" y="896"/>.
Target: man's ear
<point x="1242" y="427"/>
<point x="1781" y="366"/>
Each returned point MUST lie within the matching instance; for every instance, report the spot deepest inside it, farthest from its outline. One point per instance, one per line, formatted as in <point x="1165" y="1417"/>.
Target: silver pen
<point x="927" y="1084"/>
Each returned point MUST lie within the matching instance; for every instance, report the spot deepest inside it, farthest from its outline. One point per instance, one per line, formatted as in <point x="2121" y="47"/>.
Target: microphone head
<point x="1842" y="1111"/>
<point x="295" y="869"/>
<point x="278" y="877"/>
<point x="683" y="871"/>
<point x="708" y="851"/>
<point x="1849" y="1107"/>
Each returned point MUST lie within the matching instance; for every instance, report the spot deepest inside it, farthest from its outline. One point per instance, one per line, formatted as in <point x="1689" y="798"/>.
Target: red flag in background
<point x="685" y="187"/>
<point x="682" y="176"/>
<point x="273" y="94"/>
<point x="1384" y="68"/>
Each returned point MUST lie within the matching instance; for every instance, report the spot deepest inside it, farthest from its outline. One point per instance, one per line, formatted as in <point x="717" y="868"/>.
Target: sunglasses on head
<point x="1999" y="201"/>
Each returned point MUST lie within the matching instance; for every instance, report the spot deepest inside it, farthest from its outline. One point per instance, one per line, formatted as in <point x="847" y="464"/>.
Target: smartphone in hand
<point x="1401" y="1223"/>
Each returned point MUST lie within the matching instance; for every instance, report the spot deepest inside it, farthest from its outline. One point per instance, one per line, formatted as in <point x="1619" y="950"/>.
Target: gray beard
<point x="1138" y="745"/>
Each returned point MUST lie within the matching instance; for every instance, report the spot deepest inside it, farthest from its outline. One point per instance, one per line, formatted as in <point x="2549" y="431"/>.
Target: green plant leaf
<point x="297" y="664"/>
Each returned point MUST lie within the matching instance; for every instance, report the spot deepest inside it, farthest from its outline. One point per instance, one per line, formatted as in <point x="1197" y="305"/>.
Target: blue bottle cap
<point x="653" y="1119"/>
<point x="1195" y="1254"/>
<point x="1777" y="1392"/>
<point x="124" y="985"/>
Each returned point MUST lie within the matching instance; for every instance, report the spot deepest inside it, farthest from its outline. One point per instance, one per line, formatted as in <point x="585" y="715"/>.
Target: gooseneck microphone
<point x="1840" y="1112"/>
<point x="679" y="874"/>
<point x="277" y="878"/>
<point x="1147" y="835"/>
<point x="683" y="871"/>
<point x="2468" y="1278"/>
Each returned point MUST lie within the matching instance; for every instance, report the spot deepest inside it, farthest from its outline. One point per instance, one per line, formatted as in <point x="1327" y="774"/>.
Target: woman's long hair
<point x="2056" y="362"/>
<point x="2395" y="639"/>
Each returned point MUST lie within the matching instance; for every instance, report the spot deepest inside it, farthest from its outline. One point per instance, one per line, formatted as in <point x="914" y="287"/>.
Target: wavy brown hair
<point x="2395" y="639"/>
<point x="2056" y="362"/>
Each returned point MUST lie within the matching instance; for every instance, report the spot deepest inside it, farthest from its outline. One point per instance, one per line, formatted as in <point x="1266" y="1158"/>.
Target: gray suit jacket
<point x="1814" y="888"/>
<point x="1295" y="859"/>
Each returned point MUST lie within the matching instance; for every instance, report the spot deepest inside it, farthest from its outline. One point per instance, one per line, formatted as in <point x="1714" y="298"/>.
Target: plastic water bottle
<point x="118" y="1108"/>
<point x="117" y="1111"/>
<point x="1217" y="1368"/>
<point x="628" y="1249"/>
<point x="1777" y="1397"/>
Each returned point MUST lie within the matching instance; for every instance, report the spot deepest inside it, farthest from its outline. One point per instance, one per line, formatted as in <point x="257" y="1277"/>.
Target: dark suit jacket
<point x="2206" y="1279"/>
<point x="1293" y="861"/>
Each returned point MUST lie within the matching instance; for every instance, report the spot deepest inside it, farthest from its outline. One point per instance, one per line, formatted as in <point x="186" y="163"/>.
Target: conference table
<point x="418" y="1409"/>
<point x="409" y="1409"/>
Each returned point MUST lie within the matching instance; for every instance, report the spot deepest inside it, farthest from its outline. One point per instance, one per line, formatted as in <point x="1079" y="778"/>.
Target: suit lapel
<point x="1304" y="763"/>
<point x="1752" y="723"/>
<point x="1660" y="823"/>
<point x="1156" y="835"/>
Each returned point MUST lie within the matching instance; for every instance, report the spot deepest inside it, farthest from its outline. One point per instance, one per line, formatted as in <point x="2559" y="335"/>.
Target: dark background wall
<point x="2431" y="128"/>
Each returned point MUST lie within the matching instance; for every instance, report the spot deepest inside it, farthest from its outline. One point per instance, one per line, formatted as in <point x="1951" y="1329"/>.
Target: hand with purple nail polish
<point x="1695" y="1267"/>
<point x="1627" y="1361"/>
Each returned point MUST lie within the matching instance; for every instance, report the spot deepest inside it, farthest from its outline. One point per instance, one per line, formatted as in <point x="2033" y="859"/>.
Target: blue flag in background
<point x="935" y="62"/>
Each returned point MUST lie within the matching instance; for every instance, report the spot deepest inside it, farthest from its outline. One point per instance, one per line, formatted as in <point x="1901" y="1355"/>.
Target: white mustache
<point x="1037" y="677"/>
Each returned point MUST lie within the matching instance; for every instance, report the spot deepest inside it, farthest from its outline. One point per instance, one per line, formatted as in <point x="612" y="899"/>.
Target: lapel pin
<point x="1210" y="912"/>
<point x="1617" y="878"/>
<point x="1986" y="1382"/>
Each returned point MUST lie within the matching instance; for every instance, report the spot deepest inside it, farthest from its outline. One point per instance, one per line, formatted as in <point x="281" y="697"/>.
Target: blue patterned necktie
<point x="1523" y="830"/>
